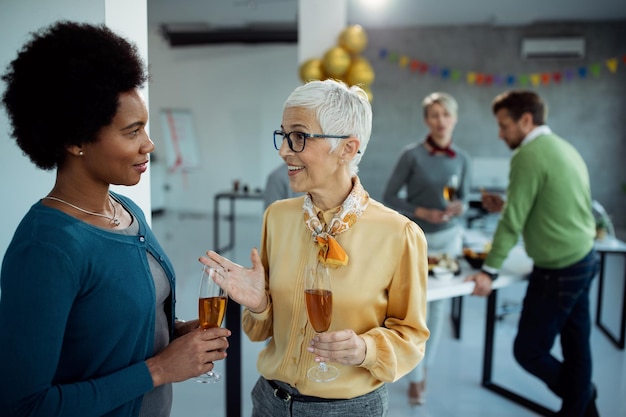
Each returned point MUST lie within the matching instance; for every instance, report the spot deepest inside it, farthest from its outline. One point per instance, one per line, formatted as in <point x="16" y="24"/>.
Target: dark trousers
<point x="557" y="304"/>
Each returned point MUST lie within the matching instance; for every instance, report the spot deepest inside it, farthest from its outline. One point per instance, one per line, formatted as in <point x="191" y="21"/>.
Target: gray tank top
<point x="158" y="402"/>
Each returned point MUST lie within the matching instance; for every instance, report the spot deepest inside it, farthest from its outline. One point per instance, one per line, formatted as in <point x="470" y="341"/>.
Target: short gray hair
<point x="340" y="110"/>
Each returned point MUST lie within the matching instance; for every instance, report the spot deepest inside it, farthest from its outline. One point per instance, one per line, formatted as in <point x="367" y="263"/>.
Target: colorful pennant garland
<point x="488" y="79"/>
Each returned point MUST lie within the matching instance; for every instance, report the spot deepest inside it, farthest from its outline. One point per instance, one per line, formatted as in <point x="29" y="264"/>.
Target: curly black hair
<point x="64" y="86"/>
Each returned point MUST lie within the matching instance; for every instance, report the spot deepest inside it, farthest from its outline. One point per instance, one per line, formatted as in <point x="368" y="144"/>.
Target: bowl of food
<point x="443" y="261"/>
<point x="475" y="257"/>
<point x="442" y="273"/>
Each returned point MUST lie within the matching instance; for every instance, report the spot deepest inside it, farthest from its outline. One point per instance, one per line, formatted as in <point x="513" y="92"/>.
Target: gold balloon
<point x="336" y="61"/>
<point x="360" y="72"/>
<point x="353" y="39"/>
<point x="312" y="70"/>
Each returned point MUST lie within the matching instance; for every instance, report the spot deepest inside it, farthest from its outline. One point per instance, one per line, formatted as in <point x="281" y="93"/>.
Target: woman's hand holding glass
<point x="433" y="216"/>
<point x="454" y="208"/>
<point x="188" y="355"/>
<point x="318" y="297"/>
<point x="343" y="346"/>
<point x="212" y="302"/>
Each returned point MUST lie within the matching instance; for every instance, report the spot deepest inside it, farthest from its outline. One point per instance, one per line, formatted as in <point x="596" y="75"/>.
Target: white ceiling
<point x="389" y="13"/>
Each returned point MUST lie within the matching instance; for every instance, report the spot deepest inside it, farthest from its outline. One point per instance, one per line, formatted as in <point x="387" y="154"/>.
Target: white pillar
<point x="319" y="24"/>
<point x="130" y="20"/>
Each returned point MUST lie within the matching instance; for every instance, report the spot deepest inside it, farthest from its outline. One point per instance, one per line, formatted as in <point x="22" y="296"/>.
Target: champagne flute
<point x="212" y="300"/>
<point x="319" y="307"/>
<point x="450" y="189"/>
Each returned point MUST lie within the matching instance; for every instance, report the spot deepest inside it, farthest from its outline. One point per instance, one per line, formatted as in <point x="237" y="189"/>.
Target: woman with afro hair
<point x="87" y="293"/>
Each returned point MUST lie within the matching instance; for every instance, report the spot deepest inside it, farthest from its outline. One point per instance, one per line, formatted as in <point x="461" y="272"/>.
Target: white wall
<point x="235" y="94"/>
<point x="21" y="183"/>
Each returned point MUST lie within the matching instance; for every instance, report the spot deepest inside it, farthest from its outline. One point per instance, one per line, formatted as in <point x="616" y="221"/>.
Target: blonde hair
<point x="446" y="100"/>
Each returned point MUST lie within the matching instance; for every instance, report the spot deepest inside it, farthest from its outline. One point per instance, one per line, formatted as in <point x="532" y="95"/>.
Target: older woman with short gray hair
<point x="376" y="259"/>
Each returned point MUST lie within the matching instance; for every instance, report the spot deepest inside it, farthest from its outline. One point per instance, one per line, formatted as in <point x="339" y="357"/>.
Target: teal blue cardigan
<point x="77" y="314"/>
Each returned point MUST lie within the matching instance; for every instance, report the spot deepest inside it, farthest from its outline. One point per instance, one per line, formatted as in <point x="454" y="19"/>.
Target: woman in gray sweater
<point x="429" y="170"/>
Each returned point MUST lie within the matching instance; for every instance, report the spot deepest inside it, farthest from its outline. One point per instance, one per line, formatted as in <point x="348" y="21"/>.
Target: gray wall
<point x="589" y="113"/>
<point x="235" y="94"/>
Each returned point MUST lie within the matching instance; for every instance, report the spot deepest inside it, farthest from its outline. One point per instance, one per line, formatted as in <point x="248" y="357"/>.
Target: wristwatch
<point x="492" y="275"/>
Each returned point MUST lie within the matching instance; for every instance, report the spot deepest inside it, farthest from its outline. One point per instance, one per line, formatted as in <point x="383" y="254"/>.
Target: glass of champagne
<point x="450" y="189"/>
<point x="319" y="307"/>
<point x="212" y="301"/>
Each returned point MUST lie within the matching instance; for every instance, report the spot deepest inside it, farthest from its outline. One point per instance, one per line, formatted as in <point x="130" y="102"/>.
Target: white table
<point x="515" y="269"/>
<point x="611" y="246"/>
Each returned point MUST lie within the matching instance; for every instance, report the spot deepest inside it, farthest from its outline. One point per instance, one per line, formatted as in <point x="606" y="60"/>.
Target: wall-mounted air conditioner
<point x="561" y="47"/>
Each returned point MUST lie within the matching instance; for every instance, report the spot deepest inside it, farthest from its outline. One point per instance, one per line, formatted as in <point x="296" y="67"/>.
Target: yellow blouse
<point x="380" y="294"/>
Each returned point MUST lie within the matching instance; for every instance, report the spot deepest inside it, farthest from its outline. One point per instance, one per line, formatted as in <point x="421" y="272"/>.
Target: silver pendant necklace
<point x="114" y="219"/>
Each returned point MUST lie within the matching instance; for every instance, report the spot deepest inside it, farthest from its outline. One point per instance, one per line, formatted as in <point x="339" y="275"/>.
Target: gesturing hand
<point x="246" y="286"/>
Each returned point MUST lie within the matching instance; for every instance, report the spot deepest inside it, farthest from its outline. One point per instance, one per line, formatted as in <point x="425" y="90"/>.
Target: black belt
<point x="286" y="396"/>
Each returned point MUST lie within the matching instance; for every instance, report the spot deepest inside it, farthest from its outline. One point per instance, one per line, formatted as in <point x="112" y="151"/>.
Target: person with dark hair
<point x="435" y="174"/>
<point x="87" y="293"/>
<point x="549" y="203"/>
<point x="375" y="257"/>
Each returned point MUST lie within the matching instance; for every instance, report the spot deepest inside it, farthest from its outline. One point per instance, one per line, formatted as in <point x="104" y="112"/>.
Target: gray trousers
<point x="265" y="404"/>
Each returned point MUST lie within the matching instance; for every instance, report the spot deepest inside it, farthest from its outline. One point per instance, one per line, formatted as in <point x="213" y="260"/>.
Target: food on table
<point x="444" y="261"/>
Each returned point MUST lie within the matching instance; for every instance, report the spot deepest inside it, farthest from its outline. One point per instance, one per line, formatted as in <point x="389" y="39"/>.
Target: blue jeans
<point x="557" y="303"/>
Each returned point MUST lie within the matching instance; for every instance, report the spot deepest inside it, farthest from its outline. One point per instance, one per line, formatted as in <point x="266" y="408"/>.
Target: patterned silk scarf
<point x="330" y="252"/>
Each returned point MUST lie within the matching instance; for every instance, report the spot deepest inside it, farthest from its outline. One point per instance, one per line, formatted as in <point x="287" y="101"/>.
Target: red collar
<point x="435" y="148"/>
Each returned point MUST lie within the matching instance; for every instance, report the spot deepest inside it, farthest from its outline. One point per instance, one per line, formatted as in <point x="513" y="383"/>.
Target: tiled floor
<point x="454" y="381"/>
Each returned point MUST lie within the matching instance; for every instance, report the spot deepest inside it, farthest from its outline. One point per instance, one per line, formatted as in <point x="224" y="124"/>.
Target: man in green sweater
<point x="549" y="203"/>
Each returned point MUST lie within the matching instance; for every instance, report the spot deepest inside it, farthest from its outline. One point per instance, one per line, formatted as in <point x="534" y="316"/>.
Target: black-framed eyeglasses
<point x="297" y="140"/>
